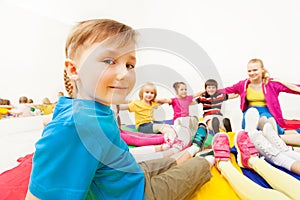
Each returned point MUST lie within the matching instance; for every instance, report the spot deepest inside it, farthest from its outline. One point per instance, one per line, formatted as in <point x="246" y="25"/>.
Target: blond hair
<point x="46" y="101"/>
<point x="265" y="73"/>
<point x="86" y="33"/>
<point x="148" y="84"/>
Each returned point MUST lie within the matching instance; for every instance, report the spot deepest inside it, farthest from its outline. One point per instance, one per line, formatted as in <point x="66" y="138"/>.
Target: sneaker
<point x="215" y="123"/>
<point x="193" y="124"/>
<point x="227" y="125"/>
<point x="274" y="124"/>
<point x="245" y="149"/>
<point x="251" y="119"/>
<point x="220" y="146"/>
<point x="263" y="120"/>
<point x="273" y="138"/>
<point x="264" y="147"/>
<point x="200" y="137"/>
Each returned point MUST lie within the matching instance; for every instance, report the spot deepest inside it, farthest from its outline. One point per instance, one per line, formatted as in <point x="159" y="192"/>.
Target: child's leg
<point x="141" y="154"/>
<point x="177" y="182"/>
<point x="166" y="129"/>
<point x="177" y="136"/>
<point x="141" y="139"/>
<point x="281" y="181"/>
<point x="190" y="122"/>
<point x="272" y="136"/>
<point x="291" y="138"/>
<point x="246" y="188"/>
<point x="247" y="155"/>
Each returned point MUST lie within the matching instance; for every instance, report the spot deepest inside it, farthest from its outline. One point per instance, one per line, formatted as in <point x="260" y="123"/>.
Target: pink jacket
<point x="271" y="92"/>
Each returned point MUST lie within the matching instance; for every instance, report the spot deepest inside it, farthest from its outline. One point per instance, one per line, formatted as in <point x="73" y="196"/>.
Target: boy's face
<point x="106" y="73"/>
<point x="182" y="91"/>
<point x="211" y="89"/>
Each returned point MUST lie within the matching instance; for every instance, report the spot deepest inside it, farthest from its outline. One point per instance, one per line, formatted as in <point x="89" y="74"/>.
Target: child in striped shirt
<point x="212" y="102"/>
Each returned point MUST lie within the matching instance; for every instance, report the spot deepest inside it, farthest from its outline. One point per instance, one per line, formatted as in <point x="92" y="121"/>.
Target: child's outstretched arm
<point x="232" y="96"/>
<point x="197" y="94"/>
<point x="288" y="85"/>
<point x="162" y="101"/>
<point x="123" y="107"/>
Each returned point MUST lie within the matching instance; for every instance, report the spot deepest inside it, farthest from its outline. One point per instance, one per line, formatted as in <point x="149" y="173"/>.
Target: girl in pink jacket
<point x="261" y="92"/>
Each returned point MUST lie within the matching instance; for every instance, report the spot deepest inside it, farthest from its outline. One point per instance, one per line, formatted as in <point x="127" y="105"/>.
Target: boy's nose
<point x="122" y="72"/>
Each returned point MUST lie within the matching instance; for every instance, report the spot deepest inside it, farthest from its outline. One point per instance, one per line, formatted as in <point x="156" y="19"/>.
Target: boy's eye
<point x="109" y="61"/>
<point x="130" y="66"/>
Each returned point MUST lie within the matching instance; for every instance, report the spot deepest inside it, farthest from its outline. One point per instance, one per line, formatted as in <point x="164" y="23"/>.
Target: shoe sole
<point x="239" y="157"/>
<point x="251" y="119"/>
<point x="203" y="153"/>
<point x="206" y="134"/>
<point x="215" y="123"/>
<point x="227" y="125"/>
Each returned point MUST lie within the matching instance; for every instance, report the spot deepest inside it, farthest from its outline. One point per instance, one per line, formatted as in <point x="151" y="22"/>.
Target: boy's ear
<point x="70" y="67"/>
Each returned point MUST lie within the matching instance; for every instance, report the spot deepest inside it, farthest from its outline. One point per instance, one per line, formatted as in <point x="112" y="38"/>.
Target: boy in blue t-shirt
<point x="81" y="154"/>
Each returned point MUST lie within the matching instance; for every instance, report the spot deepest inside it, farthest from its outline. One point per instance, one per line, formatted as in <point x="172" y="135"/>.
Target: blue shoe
<point x="200" y="136"/>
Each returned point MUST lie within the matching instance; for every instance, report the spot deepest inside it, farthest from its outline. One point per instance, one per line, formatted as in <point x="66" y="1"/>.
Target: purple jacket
<point x="271" y="92"/>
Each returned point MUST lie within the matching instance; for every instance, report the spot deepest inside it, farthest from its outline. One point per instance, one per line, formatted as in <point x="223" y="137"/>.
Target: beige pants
<point x="164" y="179"/>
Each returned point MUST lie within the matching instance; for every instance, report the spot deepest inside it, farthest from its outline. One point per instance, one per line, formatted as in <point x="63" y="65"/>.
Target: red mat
<point x="292" y="124"/>
<point x="14" y="182"/>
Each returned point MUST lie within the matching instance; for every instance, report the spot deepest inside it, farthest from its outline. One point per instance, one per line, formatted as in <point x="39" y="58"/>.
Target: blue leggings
<point x="263" y="111"/>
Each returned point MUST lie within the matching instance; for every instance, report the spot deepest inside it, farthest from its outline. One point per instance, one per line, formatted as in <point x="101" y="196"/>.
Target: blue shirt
<point x="82" y="156"/>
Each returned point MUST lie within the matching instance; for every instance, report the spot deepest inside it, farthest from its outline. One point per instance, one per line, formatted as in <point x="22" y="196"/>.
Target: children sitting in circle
<point x="144" y="113"/>
<point x="177" y="137"/>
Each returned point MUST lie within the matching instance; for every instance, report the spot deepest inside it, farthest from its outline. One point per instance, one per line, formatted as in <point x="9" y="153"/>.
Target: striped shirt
<point x="212" y="104"/>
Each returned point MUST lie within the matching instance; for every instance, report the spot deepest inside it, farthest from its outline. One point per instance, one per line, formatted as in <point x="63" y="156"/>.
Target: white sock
<point x="210" y="159"/>
<point x="292" y="154"/>
<point x="221" y="164"/>
<point x="252" y="160"/>
<point x="282" y="160"/>
<point x="142" y="150"/>
<point x="193" y="150"/>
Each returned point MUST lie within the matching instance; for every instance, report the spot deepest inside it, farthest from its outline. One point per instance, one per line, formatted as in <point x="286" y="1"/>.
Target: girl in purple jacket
<point x="261" y="92"/>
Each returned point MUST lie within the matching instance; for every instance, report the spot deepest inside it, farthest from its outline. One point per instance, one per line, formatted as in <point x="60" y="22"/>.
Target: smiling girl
<point x="260" y="92"/>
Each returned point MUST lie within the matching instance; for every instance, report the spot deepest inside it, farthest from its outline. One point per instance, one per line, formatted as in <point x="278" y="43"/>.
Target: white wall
<point x="231" y="32"/>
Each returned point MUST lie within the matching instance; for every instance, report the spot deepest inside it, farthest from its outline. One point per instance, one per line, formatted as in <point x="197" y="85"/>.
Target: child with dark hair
<point x="212" y="103"/>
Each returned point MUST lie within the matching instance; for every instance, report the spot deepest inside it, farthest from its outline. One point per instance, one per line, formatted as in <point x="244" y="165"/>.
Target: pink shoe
<point x="245" y="149"/>
<point x="220" y="146"/>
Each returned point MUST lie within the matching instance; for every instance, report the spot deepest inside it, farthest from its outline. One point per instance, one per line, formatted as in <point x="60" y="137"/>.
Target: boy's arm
<point x="232" y="96"/>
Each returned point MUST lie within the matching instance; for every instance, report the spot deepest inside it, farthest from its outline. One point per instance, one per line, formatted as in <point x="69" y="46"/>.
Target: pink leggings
<point x="141" y="139"/>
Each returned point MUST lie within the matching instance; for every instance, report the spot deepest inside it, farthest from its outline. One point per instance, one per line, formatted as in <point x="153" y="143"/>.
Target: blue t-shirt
<point x="82" y="156"/>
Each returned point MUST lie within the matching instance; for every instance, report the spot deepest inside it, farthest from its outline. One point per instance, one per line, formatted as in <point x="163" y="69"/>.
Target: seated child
<point x="212" y="103"/>
<point x="81" y="154"/>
